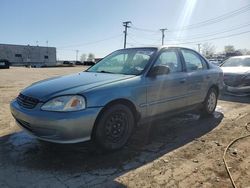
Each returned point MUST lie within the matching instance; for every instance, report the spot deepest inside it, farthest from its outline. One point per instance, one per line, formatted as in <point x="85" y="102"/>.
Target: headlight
<point x="65" y="104"/>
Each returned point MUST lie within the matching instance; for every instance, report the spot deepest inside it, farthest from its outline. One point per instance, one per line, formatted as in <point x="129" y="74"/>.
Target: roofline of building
<point x="27" y="45"/>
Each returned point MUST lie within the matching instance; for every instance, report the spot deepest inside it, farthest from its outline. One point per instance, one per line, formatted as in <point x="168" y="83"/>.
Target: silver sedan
<point x="237" y="75"/>
<point x="128" y="87"/>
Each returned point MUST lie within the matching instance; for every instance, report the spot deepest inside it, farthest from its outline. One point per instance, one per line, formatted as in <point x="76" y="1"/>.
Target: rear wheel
<point x="114" y="127"/>
<point x="210" y="102"/>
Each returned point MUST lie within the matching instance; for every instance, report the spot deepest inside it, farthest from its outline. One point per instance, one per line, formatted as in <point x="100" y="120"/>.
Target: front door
<point x="167" y="92"/>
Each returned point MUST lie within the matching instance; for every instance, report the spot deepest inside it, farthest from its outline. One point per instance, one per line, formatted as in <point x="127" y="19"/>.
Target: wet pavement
<point x="26" y="161"/>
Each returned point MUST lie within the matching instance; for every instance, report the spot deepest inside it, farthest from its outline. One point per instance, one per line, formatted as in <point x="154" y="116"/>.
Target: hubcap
<point x="116" y="126"/>
<point x="211" y="102"/>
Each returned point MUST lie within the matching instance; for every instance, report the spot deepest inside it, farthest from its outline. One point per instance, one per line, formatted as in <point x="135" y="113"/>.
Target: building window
<point x="18" y="55"/>
<point x="46" y="57"/>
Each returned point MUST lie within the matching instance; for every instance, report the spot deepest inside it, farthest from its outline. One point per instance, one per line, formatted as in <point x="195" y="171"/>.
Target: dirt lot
<point x="184" y="151"/>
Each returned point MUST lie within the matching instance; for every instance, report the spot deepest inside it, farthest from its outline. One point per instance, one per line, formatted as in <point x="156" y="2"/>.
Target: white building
<point x="26" y="55"/>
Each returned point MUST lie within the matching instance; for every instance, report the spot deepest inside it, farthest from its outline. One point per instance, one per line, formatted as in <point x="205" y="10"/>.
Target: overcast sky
<point x="96" y="25"/>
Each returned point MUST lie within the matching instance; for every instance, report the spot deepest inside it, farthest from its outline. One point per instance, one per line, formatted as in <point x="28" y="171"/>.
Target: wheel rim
<point x="116" y="126"/>
<point x="211" y="103"/>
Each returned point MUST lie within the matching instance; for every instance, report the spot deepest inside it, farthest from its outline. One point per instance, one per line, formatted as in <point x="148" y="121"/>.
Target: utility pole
<point x="126" y="25"/>
<point x="199" y="48"/>
<point x="47" y="44"/>
<point x="163" y="35"/>
<point x="77" y="55"/>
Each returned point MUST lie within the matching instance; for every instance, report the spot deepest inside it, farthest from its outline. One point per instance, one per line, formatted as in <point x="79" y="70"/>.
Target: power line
<point x="196" y="42"/>
<point x="145" y="30"/>
<point x="215" y="33"/>
<point x="141" y="44"/>
<point x="215" y="20"/>
<point x="142" y="29"/>
<point x="227" y="36"/>
<point x="145" y="38"/>
<point x="135" y="41"/>
<point x="93" y="42"/>
<point x="202" y="23"/>
<point x="198" y="36"/>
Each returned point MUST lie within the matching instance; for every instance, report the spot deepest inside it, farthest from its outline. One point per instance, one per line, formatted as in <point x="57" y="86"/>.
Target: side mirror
<point x="159" y="70"/>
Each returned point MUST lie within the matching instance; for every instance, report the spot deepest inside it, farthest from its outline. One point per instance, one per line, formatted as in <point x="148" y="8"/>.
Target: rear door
<point x="198" y="77"/>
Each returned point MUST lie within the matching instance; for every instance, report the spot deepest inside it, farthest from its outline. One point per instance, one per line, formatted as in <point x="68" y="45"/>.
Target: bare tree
<point x="83" y="57"/>
<point x="91" y="57"/>
<point x="208" y="49"/>
<point x="244" y="51"/>
<point x="229" y="49"/>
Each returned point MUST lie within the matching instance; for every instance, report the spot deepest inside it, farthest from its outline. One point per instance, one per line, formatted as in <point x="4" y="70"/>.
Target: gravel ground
<point x="183" y="151"/>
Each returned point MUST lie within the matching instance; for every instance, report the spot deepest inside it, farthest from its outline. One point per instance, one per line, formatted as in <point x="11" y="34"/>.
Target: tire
<point x="210" y="103"/>
<point x="114" y="127"/>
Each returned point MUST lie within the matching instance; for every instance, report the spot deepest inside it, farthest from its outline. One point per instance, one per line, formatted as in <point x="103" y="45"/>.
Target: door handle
<point x="183" y="80"/>
<point x="208" y="76"/>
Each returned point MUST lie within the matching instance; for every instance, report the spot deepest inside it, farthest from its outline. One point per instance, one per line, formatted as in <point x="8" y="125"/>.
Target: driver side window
<point x="170" y="59"/>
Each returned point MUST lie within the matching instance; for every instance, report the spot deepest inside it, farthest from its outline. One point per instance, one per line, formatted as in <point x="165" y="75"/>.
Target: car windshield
<point x="237" y="62"/>
<point x="127" y="61"/>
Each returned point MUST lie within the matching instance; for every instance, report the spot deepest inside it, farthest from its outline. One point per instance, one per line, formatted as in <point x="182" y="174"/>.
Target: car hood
<point x="236" y="70"/>
<point x="70" y="84"/>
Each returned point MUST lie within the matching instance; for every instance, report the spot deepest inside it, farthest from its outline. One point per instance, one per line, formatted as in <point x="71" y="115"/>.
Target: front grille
<point x="27" y="102"/>
<point x="232" y="80"/>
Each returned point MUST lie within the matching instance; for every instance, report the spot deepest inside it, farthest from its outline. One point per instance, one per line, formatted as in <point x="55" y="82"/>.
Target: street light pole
<point x="77" y="55"/>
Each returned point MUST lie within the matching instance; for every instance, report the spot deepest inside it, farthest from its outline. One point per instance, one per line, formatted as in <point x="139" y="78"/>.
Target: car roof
<point x="160" y="47"/>
<point x="241" y="56"/>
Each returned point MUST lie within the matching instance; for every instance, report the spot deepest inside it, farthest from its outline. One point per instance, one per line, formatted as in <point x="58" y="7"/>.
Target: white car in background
<point x="237" y="75"/>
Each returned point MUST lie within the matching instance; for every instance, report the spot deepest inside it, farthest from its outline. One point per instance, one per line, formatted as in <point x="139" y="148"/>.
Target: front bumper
<point x="58" y="127"/>
<point x="240" y="90"/>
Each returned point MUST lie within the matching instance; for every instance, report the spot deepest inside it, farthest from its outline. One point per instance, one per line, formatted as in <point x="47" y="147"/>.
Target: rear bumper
<point x="59" y="127"/>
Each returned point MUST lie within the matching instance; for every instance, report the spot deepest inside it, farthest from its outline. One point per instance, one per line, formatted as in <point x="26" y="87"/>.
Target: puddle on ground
<point x="20" y="138"/>
<point x="219" y="109"/>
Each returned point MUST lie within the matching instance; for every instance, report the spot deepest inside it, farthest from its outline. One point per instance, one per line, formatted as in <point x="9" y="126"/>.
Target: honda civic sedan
<point x="128" y="87"/>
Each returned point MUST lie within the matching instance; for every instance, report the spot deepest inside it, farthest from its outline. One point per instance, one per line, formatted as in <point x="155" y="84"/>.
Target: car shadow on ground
<point x="239" y="99"/>
<point x="25" y="161"/>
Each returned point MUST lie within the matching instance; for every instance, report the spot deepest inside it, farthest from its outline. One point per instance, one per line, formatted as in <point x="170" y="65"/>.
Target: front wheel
<point x="210" y="102"/>
<point x="114" y="127"/>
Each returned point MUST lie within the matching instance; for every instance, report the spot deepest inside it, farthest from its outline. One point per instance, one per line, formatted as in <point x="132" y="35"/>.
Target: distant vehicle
<point x="98" y="59"/>
<point x="108" y="100"/>
<point x="4" y="64"/>
<point x="89" y="63"/>
<point x="78" y="63"/>
<point x="215" y="61"/>
<point x="68" y="63"/>
<point x="237" y="75"/>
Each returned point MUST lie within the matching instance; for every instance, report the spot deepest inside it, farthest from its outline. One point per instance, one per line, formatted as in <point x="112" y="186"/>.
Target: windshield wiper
<point x="105" y="72"/>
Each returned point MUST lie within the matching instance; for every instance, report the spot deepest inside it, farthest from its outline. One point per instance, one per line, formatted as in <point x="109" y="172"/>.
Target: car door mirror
<point x="159" y="70"/>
